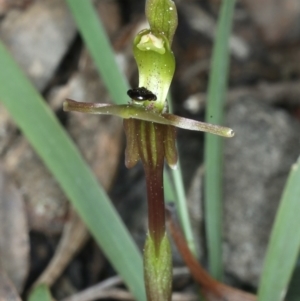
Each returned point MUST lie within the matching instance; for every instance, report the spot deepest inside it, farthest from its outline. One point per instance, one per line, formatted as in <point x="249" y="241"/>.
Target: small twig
<point x="181" y="271"/>
<point x="74" y="236"/>
<point x="114" y="293"/>
<point x="96" y="291"/>
<point x="287" y="92"/>
<point x="105" y="290"/>
<point x="120" y="294"/>
<point x="212" y="289"/>
<point x="184" y="297"/>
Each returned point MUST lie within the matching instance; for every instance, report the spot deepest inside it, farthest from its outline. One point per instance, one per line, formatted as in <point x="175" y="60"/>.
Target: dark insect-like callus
<point x="141" y="94"/>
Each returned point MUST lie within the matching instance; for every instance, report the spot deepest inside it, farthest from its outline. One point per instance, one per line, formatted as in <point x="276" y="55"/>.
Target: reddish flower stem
<point x="156" y="206"/>
<point x="151" y="142"/>
<point x="150" y="137"/>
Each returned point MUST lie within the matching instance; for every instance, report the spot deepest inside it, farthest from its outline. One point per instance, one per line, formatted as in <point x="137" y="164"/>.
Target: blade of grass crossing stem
<point x="183" y="209"/>
<point x="181" y="200"/>
<point x="284" y="245"/>
<point x="66" y="164"/>
<point x="169" y="191"/>
<point x="95" y="38"/>
<point x="213" y="144"/>
<point x="40" y="293"/>
<point x="174" y="192"/>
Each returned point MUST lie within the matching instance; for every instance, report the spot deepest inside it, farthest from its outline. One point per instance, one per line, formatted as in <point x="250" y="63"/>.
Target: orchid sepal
<point x="147" y="114"/>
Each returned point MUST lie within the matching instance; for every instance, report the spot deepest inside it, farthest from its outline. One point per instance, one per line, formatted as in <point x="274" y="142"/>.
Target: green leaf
<point x="40" y="293"/>
<point x="284" y="245"/>
<point x="62" y="158"/>
<point x="214" y="145"/>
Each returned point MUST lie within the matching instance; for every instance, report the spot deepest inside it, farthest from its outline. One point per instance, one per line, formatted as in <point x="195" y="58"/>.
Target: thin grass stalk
<point x="181" y="199"/>
<point x="214" y="145"/>
<point x="169" y="190"/>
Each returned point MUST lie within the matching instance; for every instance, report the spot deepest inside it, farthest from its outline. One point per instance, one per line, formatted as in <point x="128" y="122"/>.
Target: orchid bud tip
<point x="66" y="106"/>
<point x="231" y="133"/>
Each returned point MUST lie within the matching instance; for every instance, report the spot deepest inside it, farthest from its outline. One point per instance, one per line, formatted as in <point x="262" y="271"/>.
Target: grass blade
<point x="284" y="245"/>
<point x="181" y="199"/>
<point x="40" y="293"/>
<point x="213" y="144"/>
<point x="170" y="195"/>
<point x="183" y="208"/>
<point x="62" y="158"/>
